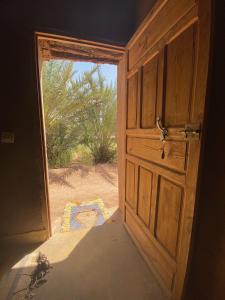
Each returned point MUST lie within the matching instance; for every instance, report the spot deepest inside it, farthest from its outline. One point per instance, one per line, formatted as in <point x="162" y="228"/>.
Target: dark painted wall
<point x="22" y="186"/>
<point x="207" y="276"/>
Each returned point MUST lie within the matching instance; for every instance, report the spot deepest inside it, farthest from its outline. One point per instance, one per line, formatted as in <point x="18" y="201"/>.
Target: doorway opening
<point x="80" y="125"/>
<point x="80" y="132"/>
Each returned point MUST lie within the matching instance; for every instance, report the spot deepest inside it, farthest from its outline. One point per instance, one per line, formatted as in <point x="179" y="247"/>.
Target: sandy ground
<point x="80" y="183"/>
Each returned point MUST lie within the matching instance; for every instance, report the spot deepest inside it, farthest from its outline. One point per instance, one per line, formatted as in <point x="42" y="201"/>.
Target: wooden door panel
<point x="166" y="61"/>
<point x="131" y="184"/>
<point x="132" y="102"/>
<point x="163" y="20"/>
<point x="179" y="78"/>
<point x="151" y="150"/>
<point x="144" y="195"/>
<point x="149" y="93"/>
<point x="168" y="215"/>
<point x="160" y="263"/>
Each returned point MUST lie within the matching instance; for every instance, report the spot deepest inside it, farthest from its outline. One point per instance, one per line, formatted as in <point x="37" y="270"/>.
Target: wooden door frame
<point x="50" y="46"/>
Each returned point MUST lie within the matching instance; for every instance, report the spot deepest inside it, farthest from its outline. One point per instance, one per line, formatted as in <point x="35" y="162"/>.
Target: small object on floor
<point x="37" y="276"/>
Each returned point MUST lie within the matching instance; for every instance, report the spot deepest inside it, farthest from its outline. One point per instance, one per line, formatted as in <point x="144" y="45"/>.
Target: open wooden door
<point x="166" y="89"/>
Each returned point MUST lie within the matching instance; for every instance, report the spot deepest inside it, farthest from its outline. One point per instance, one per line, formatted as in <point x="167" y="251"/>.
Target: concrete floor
<point x="99" y="263"/>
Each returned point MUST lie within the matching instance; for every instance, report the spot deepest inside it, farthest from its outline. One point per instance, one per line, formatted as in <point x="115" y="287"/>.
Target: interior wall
<point x="22" y="185"/>
<point x="207" y="270"/>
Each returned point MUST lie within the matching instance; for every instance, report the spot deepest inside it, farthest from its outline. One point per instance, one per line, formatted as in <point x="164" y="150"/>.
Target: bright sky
<point x="108" y="71"/>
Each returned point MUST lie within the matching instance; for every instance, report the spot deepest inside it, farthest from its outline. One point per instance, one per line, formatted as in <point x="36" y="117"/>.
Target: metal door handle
<point x="164" y="130"/>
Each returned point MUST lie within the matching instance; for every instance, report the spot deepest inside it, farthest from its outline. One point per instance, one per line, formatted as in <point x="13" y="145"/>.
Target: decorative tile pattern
<point x="84" y="215"/>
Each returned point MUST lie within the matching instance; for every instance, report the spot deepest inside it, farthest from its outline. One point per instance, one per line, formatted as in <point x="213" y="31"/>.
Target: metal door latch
<point x="191" y="131"/>
<point x="164" y="130"/>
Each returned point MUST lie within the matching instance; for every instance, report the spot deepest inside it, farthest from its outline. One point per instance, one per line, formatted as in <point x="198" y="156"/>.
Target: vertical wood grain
<point x="179" y="78"/>
<point x="149" y="93"/>
<point x="132" y="96"/>
<point x="145" y="195"/>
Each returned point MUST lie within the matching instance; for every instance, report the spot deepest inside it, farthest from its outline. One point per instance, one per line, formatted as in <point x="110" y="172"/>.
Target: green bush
<point x="99" y="119"/>
<point x="104" y="154"/>
<point x="83" y="154"/>
<point x="78" y="112"/>
<point x="59" y="148"/>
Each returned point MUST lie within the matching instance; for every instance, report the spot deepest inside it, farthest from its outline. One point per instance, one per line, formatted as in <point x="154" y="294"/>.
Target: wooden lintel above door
<point x="78" y="51"/>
